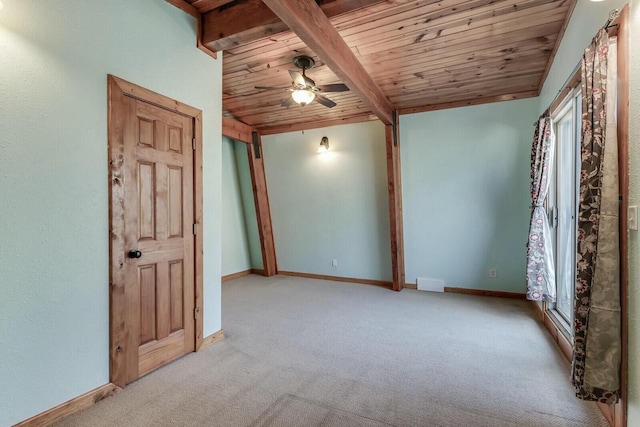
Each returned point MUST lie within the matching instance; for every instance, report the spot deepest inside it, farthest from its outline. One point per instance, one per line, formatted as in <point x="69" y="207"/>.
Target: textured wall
<point x="249" y="207"/>
<point x="465" y="177"/>
<point x="54" y="276"/>
<point x="332" y="205"/>
<point x="587" y="18"/>
<point x="235" y="245"/>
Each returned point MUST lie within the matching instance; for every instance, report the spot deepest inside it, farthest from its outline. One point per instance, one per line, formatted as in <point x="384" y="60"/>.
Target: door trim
<point x="117" y="89"/>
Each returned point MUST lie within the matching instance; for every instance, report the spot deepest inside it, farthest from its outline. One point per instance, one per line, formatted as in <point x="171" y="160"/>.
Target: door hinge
<point x="195" y="228"/>
<point x="196" y="311"/>
<point x="193" y="144"/>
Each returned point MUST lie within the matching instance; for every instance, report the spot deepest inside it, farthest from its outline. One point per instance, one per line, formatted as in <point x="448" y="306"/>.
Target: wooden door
<point x="159" y="205"/>
<point x="158" y="267"/>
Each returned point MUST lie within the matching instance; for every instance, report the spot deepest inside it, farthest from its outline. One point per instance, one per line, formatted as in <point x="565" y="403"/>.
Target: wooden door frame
<point x="117" y="89"/>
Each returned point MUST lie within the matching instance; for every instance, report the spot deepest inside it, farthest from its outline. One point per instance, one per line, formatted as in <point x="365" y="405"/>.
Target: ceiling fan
<point x="303" y="89"/>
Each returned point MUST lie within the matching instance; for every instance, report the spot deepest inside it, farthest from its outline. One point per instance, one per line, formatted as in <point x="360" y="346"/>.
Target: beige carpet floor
<point x="303" y="352"/>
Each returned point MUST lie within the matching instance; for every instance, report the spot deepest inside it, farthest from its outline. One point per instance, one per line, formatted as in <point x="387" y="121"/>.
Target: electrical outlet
<point x="334" y="263"/>
<point x="493" y="273"/>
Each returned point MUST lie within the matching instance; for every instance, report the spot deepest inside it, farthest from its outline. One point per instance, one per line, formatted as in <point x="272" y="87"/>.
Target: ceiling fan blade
<point x="297" y="78"/>
<point x="271" y="88"/>
<point x="300" y="79"/>
<point x="338" y="87"/>
<point x="288" y="102"/>
<point x="325" y="101"/>
<point x="309" y="81"/>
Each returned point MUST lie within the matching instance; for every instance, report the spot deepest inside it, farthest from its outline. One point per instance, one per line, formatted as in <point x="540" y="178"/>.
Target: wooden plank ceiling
<point x="423" y="55"/>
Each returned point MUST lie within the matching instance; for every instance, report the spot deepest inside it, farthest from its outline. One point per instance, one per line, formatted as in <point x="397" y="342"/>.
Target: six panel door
<point x="159" y="211"/>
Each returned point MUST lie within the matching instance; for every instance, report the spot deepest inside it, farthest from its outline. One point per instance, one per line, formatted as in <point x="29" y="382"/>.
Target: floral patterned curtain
<point x="541" y="282"/>
<point x="597" y="344"/>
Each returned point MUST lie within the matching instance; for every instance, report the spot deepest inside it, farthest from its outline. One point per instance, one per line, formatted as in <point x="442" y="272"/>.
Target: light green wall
<point x="634" y="238"/>
<point x="465" y="178"/>
<point x="249" y="207"/>
<point x="54" y="237"/>
<point x="235" y="246"/>
<point x="332" y="205"/>
<point x="587" y="18"/>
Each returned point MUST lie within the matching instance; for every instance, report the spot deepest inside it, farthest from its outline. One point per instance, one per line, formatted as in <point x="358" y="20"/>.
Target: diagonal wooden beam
<point x="263" y="210"/>
<point x="311" y="25"/>
<point x="242" y="132"/>
<point x="245" y="21"/>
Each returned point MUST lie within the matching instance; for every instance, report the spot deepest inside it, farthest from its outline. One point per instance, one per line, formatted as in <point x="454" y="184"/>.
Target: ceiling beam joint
<point x="311" y="25"/>
<point x="256" y="144"/>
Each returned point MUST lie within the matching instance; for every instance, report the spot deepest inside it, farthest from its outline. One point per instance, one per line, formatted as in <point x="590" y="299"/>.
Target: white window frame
<point x="570" y="105"/>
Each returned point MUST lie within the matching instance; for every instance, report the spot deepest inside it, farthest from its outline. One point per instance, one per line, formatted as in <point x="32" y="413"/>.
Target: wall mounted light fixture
<point x="324" y="145"/>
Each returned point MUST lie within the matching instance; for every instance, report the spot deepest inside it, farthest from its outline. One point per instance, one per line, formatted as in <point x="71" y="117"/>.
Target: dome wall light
<point x="324" y="145"/>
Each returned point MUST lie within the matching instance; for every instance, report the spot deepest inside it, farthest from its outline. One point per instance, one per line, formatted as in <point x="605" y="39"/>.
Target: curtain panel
<point x="541" y="282"/>
<point x="597" y="343"/>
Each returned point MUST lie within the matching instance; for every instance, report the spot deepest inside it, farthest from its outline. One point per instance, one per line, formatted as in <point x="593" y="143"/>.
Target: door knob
<point x="134" y="253"/>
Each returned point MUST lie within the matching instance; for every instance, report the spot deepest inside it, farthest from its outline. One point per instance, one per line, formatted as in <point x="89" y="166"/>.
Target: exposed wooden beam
<point x="248" y="20"/>
<point x="244" y="133"/>
<point x="237" y="130"/>
<point x="311" y="25"/>
<point x="204" y="6"/>
<point x="394" y="180"/>
<point x="271" y="130"/>
<point x="241" y="23"/>
<point x="202" y="47"/>
<point x="261" y="199"/>
<point x="186" y="7"/>
<point x="191" y="10"/>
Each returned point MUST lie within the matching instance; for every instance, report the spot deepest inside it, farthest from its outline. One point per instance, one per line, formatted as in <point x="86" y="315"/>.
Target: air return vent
<point x="432" y="285"/>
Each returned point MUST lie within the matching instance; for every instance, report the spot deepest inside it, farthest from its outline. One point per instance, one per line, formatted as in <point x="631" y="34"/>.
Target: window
<point x="563" y="203"/>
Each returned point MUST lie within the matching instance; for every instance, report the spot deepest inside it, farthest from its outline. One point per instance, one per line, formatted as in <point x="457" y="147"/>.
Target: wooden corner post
<point x="261" y="198"/>
<point x="394" y="179"/>
<point x="623" y="46"/>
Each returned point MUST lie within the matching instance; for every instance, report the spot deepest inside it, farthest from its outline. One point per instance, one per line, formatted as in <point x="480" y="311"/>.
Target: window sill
<point x="558" y="333"/>
<point x="561" y="323"/>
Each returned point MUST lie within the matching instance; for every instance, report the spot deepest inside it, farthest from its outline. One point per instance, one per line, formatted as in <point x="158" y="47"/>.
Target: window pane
<point x="565" y="274"/>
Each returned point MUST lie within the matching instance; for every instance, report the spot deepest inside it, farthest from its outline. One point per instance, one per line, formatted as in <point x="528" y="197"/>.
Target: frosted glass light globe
<point x="303" y="96"/>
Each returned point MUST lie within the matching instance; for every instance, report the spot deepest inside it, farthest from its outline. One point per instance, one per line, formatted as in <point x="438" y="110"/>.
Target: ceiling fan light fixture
<point x="303" y="96"/>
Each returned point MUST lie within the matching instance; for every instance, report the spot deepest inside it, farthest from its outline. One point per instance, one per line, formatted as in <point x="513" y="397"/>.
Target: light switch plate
<point x="632" y="217"/>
